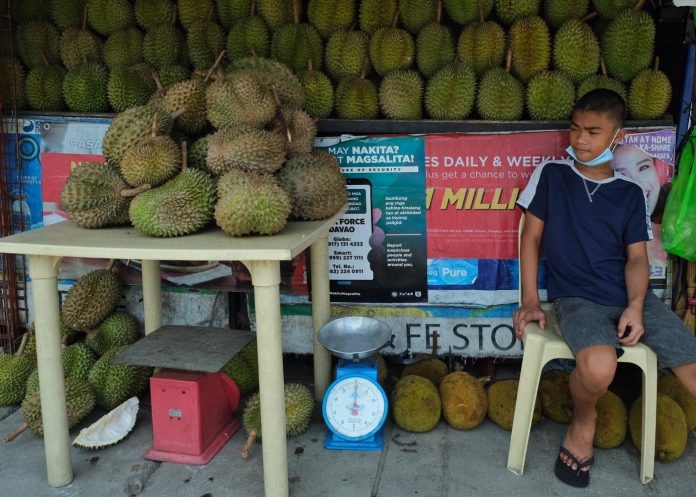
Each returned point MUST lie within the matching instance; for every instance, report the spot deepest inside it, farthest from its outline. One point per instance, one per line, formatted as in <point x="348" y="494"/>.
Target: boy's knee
<point x="596" y="367"/>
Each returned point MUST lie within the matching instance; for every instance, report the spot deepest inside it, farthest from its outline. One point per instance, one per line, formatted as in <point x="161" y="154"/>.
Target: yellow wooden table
<point x="261" y="255"/>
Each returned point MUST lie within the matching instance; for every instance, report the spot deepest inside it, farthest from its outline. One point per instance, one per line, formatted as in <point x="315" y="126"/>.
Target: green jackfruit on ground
<point x="556" y="400"/>
<point x="85" y="88"/>
<point x="431" y="368"/>
<point x="113" y="383"/>
<point x="612" y="421"/>
<point x="670" y="385"/>
<point x="671" y="434"/>
<point x="416" y="404"/>
<point x="464" y="400"/>
<point x="375" y="14"/>
<point x="44" y="88"/>
<point x="93" y="297"/>
<point x="502" y="397"/>
<point x="451" y="92"/>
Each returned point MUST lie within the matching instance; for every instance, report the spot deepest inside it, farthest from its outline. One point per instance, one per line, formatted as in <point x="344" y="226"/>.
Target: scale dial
<point x="355" y="407"/>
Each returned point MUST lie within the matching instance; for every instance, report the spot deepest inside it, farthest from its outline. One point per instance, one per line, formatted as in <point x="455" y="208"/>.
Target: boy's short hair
<point x="603" y="101"/>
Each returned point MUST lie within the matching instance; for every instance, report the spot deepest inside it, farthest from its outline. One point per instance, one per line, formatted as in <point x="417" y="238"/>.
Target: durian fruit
<point x="315" y="184"/>
<point x="556" y="400"/>
<point x="356" y="98"/>
<point x="85" y="88"/>
<point x="91" y="299"/>
<point x="331" y="16"/>
<point x="671" y="434"/>
<point x="274" y="74"/>
<point x="151" y="13"/>
<point x="205" y="40"/>
<point x="415" y="14"/>
<point x="649" y="94"/>
<point x="12" y="76"/>
<point x="124" y="48"/>
<point x="32" y="385"/>
<point x="275" y="12"/>
<point x="550" y="96"/>
<point x="464" y="401"/>
<point x="611" y="8"/>
<point x="576" y="50"/>
<point x="14" y="372"/>
<point x="612" y="421"/>
<point x="68" y="336"/>
<point x="78" y="359"/>
<point x="130" y="87"/>
<point x="451" y="92"/>
<point x="464" y="12"/>
<point x="241" y="372"/>
<point x="152" y="160"/>
<point x="168" y="75"/>
<point x="180" y="206"/>
<point x="186" y="99"/>
<point x="249" y="35"/>
<point x="232" y="11"/>
<point x="482" y="45"/>
<point x="38" y="43"/>
<point x="430" y="367"/>
<point x="509" y="11"/>
<point x="501" y="96"/>
<point x="502" y="397"/>
<point x="530" y="43"/>
<point x="198" y="153"/>
<point x="375" y="14"/>
<point x="601" y="81"/>
<point x="296" y="43"/>
<point x="129" y="127"/>
<point x="319" y="92"/>
<point x="246" y="148"/>
<point x="95" y="196"/>
<point x="78" y="46"/>
<point x="391" y="49"/>
<point x="164" y="45"/>
<point x="434" y="46"/>
<point x="627" y="44"/>
<point x="193" y="11"/>
<point x="671" y="386"/>
<point x="401" y="95"/>
<point x="416" y="404"/>
<point x="108" y="16"/>
<point x="557" y="12"/>
<point x="26" y="10"/>
<point x="113" y="383"/>
<point x="299" y="404"/>
<point x="346" y="52"/>
<point x="117" y="329"/>
<point x="250" y="354"/>
<point x="299" y="130"/>
<point x="44" y="88"/>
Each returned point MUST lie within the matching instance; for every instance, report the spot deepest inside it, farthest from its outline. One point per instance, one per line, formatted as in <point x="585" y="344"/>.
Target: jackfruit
<point x="298" y="129"/>
<point x="671" y="386"/>
<point x="124" y="48"/>
<point x="117" y="329"/>
<point x="557" y="12"/>
<point x="85" y="88"/>
<point x="451" y="92"/>
<point x="187" y="99"/>
<point x="576" y="50"/>
<point x="14" y="372"/>
<point x="671" y="433"/>
<point x="129" y="87"/>
<point x="151" y="13"/>
<point x="627" y="44"/>
<point x="416" y="404"/>
<point x="612" y="421"/>
<point x="434" y="47"/>
<point x="319" y="93"/>
<point x="296" y="44"/>
<point x="91" y="299"/>
<point x="78" y="46"/>
<point x="44" y="88"/>
<point x="464" y="12"/>
<point x="550" y="96"/>
<point x="649" y="94"/>
<point x="401" y="95"/>
<point x="482" y="45"/>
<point x="248" y="36"/>
<point x="331" y="16"/>
<point x="113" y="383"/>
<point x="276" y="12"/>
<point x="464" y="401"/>
<point x="346" y="52"/>
<point x="415" y="14"/>
<point x="356" y="98"/>
<point x="38" y="43"/>
<point x="502" y="397"/>
<point x="375" y="14"/>
<point x="152" y="160"/>
<point x="556" y="400"/>
<point x="164" y="45"/>
<point x="247" y="149"/>
<point x="66" y="13"/>
<point x="530" y="43"/>
<point x="382" y="369"/>
<point x="193" y="11"/>
<point x="108" y="16"/>
<point x="501" y="96"/>
<point x="431" y="368"/>
<point x="232" y="11"/>
<point x="205" y="40"/>
<point x="509" y="11"/>
<point x="130" y="126"/>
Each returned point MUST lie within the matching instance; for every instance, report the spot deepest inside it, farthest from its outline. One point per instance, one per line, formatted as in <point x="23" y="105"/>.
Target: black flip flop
<point x="566" y="473"/>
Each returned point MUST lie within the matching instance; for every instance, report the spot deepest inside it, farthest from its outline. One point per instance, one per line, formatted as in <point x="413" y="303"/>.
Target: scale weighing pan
<point x="354" y="337"/>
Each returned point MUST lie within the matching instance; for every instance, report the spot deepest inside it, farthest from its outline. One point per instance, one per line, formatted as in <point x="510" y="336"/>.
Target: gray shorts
<point x="585" y="323"/>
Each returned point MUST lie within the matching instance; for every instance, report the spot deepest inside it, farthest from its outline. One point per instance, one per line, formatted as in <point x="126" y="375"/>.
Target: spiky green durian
<point x="331" y="16"/>
<point x="130" y="86"/>
<point x="464" y="12"/>
<point x="391" y="49"/>
<point x="627" y="44"/>
<point x="298" y="129"/>
<point x="181" y="206"/>
<point x="276" y="12"/>
<point x="482" y="45"/>
<point x="38" y="43"/>
<point x="44" y="88"/>
<point x="649" y="95"/>
<point x="345" y="54"/>
<point x="117" y="329"/>
<point x="296" y="44"/>
<point x="530" y="43"/>
<point x="79" y="398"/>
<point x="274" y="74"/>
<point x="14" y="372"/>
<point x="78" y="359"/>
<point x="152" y="160"/>
<point x="84" y="88"/>
<point x="247" y="34"/>
<point x="557" y="12"/>
<point x="231" y="12"/>
<point x="576" y="50"/>
<point x="251" y="150"/>
<point x="601" y="81"/>
<point x="93" y="297"/>
<point x="151" y="13"/>
<point x="375" y="14"/>
<point x="401" y="95"/>
<point x="299" y="404"/>
<point x="12" y="76"/>
<point x="319" y="92"/>
<point x="198" y="153"/>
<point x="508" y="11"/>
<point x="188" y="99"/>
<point x="611" y="8"/>
<point x="356" y="98"/>
<point x="415" y="14"/>
<point x="114" y="383"/>
<point x="193" y="11"/>
<point x="123" y="48"/>
<point x="129" y="127"/>
<point x="315" y="184"/>
<point x="550" y="96"/>
<point x="246" y="378"/>
<point x="250" y="354"/>
<point x="434" y="48"/>
<point x="108" y="16"/>
<point x="240" y="98"/>
<point x="205" y="40"/>
<point x="451" y="92"/>
<point x="67" y="13"/>
<point x="169" y="75"/>
<point x="500" y="96"/>
<point x="28" y="10"/>
<point x="164" y="45"/>
<point x="78" y="46"/>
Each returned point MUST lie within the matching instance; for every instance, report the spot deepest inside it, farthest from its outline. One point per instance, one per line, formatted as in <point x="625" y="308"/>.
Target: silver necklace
<point x="587" y="190"/>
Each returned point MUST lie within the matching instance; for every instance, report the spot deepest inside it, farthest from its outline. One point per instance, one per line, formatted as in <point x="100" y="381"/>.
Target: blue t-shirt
<point x="587" y="226"/>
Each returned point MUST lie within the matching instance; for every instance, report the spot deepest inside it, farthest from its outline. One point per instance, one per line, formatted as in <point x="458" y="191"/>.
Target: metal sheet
<point x="193" y="348"/>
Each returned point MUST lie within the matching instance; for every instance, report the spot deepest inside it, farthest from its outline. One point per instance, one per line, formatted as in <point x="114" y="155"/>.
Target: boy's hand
<point x="525" y="315"/>
<point x="630" y="327"/>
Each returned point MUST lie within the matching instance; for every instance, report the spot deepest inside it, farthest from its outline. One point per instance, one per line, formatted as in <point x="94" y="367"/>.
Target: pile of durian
<point x="357" y="59"/>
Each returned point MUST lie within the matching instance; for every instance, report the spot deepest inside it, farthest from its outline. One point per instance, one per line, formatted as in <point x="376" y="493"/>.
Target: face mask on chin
<point x="605" y="156"/>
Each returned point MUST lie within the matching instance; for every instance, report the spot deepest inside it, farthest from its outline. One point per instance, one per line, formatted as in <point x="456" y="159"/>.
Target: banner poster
<point x="377" y="250"/>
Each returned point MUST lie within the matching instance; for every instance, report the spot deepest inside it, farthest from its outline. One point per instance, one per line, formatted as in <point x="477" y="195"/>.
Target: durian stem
<point x="251" y="440"/>
<point x="184" y="155"/>
<point x="214" y="66"/>
<point x="11" y="436"/>
<point x="657" y="62"/>
<point x="178" y="113"/>
<point x="482" y="18"/>
<point x="252" y="49"/>
<point x="639" y="5"/>
<point x="365" y="68"/>
<point x="22" y="344"/>
<point x="483" y="380"/>
<point x="309" y="65"/>
<point x="43" y="57"/>
<point x="211" y="12"/>
<point x="252" y="11"/>
<point x="603" y="66"/>
<point x="158" y="81"/>
<point x="589" y="16"/>
<point x="508" y="61"/>
<point x="296" y="11"/>
<point x="396" y="18"/>
<point x="155" y="122"/>
<point x="438" y="18"/>
<point x="132" y="192"/>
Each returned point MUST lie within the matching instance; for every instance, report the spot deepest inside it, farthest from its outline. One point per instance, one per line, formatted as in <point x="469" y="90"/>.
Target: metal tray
<point x="354" y="337"/>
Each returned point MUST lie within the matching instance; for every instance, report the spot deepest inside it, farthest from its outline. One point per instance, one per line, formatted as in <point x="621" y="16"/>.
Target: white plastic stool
<point x="541" y="346"/>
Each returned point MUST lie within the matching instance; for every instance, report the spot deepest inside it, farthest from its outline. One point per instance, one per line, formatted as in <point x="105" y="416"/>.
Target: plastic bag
<point x="679" y="217"/>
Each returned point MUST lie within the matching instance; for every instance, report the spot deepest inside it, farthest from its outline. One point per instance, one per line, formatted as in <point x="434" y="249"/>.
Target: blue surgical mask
<point x="605" y="156"/>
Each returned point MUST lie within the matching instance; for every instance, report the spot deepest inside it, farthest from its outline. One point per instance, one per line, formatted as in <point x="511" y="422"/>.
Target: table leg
<point x="44" y="272"/>
<point x="265" y="276"/>
<point x="321" y="312"/>
<point x="152" y="295"/>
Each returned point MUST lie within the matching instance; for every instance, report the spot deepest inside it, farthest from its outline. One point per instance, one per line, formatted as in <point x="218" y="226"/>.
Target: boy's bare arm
<point x="530" y="306"/>
<point x="630" y="327"/>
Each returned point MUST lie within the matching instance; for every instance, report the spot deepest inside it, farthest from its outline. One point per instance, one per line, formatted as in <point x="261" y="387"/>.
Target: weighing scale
<point x="355" y="406"/>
